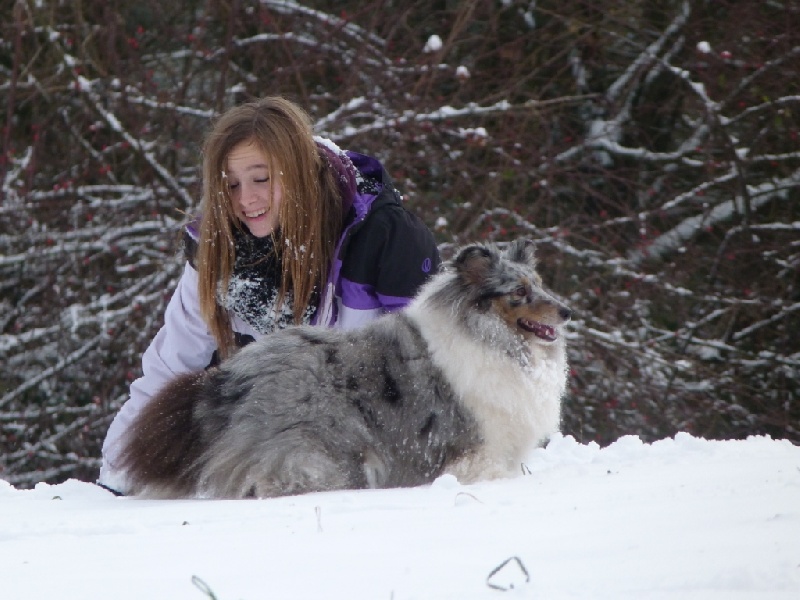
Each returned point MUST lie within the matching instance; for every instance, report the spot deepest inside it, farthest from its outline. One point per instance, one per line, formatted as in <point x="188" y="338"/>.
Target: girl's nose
<point x="247" y="194"/>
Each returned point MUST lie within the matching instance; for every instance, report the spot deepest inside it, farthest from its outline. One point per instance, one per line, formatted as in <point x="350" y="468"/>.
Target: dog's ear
<point x="473" y="263"/>
<point x="522" y="251"/>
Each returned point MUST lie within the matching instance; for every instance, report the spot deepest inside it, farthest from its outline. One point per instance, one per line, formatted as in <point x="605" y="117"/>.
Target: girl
<point x="292" y="231"/>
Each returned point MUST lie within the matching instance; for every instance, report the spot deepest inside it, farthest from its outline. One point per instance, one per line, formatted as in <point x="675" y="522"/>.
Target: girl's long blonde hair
<point x="310" y="214"/>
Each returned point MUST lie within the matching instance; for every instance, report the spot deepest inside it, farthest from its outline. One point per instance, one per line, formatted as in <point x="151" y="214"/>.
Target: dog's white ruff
<point x="516" y="407"/>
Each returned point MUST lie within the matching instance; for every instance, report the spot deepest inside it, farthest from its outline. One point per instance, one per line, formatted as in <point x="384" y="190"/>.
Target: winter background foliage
<point x="650" y="148"/>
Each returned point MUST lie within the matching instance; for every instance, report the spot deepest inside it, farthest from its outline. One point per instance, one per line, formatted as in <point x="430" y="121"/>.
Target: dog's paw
<point x="477" y="467"/>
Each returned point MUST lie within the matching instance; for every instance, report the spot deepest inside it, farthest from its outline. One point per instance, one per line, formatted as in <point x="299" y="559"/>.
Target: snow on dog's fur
<point x="465" y="380"/>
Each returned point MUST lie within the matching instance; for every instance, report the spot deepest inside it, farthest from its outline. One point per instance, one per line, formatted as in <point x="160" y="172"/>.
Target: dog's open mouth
<point x="540" y="330"/>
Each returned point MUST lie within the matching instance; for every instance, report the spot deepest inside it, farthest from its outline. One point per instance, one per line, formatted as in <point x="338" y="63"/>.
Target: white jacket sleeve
<point x="182" y="344"/>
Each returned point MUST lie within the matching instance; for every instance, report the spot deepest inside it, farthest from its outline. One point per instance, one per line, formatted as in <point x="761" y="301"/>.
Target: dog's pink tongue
<point x="540" y="330"/>
<point x="544" y="331"/>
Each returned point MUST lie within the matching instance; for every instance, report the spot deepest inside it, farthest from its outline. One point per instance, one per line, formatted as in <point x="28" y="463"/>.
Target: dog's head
<point x="507" y="284"/>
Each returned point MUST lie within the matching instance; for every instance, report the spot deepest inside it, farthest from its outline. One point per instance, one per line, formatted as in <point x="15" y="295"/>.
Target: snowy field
<point x="682" y="518"/>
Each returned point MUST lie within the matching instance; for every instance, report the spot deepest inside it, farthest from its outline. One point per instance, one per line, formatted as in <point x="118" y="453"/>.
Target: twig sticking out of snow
<point x="203" y="587"/>
<point x="504" y="573"/>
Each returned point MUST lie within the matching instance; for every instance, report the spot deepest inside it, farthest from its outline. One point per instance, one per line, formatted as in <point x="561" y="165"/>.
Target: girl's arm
<point x="182" y="344"/>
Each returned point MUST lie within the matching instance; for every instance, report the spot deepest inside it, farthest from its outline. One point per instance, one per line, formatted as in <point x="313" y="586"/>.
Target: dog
<point x="465" y="380"/>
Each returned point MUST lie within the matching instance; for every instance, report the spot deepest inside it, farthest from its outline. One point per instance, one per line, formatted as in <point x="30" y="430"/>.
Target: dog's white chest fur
<point x="517" y="407"/>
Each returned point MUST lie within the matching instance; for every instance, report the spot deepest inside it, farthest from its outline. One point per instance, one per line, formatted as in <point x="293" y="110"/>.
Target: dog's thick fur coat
<point x="463" y="381"/>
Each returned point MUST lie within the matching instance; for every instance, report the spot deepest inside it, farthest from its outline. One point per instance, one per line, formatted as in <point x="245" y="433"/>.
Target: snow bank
<point x="681" y="518"/>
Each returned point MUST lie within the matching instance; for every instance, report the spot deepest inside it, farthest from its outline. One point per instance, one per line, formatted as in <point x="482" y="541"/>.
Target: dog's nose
<point x="565" y="313"/>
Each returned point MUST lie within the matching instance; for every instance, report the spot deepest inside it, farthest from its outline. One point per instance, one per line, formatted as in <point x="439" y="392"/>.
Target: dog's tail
<point x="164" y="443"/>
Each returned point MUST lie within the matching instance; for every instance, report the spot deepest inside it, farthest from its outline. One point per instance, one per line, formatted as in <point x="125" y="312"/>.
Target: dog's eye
<point x="521" y="292"/>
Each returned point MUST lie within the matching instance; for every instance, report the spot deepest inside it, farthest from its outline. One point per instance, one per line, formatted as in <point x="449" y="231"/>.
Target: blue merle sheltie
<point x="465" y="380"/>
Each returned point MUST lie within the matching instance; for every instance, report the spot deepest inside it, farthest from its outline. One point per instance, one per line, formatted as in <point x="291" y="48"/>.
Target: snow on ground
<point x="682" y="518"/>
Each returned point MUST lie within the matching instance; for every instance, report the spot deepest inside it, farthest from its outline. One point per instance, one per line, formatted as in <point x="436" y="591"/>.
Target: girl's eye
<point x="233" y="186"/>
<point x="262" y="180"/>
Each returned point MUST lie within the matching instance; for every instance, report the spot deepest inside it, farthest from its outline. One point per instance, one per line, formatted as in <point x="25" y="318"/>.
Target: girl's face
<point x="256" y="197"/>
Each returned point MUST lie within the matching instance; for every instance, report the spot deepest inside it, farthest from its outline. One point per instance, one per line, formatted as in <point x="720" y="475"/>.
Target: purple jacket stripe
<point x="360" y="296"/>
<point x="392" y="303"/>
